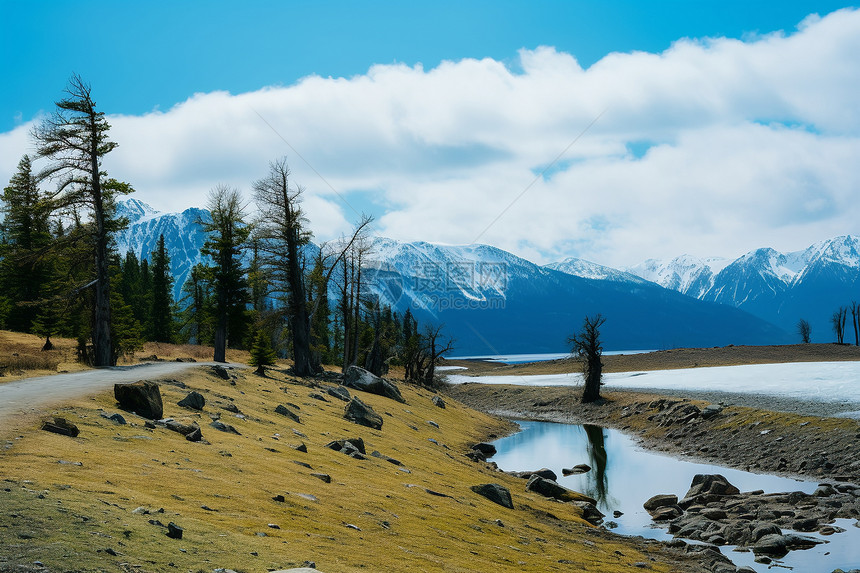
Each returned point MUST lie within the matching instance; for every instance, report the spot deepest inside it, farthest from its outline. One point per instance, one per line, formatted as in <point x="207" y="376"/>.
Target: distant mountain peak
<point x="135" y="210"/>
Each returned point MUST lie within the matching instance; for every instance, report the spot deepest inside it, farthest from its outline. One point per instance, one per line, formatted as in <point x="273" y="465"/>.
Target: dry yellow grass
<point x="21" y="355"/>
<point x="66" y="501"/>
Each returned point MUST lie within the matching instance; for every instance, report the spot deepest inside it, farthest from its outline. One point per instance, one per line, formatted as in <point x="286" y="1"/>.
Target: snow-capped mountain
<point x="492" y="301"/>
<point x="779" y="287"/>
<point x="589" y="270"/>
<point x="183" y="236"/>
<point x="688" y="275"/>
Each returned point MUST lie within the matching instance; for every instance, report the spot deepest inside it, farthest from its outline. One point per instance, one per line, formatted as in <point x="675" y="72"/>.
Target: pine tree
<point x="26" y="264"/>
<point x="162" y="297"/>
<point x="74" y="139"/>
<point x="228" y="235"/>
<point x="262" y="354"/>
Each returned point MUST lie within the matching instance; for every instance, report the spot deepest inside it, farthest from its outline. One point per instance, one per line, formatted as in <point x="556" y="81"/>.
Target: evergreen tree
<point x="228" y="235"/>
<point x="196" y="318"/>
<point x="75" y="141"/>
<point x="262" y="354"/>
<point x="26" y="264"/>
<point x="162" y="297"/>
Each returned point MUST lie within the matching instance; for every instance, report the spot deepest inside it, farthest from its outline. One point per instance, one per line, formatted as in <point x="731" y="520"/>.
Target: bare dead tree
<point x="804" y="330"/>
<point x="587" y="346"/>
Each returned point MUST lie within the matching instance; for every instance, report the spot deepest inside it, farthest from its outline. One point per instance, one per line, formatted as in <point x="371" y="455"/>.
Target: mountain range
<point x="494" y="302"/>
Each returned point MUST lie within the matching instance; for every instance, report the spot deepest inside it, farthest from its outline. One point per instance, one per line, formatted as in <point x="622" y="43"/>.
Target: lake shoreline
<point x="802" y="445"/>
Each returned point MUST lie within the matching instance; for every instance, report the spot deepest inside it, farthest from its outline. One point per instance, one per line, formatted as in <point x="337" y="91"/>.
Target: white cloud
<point x="752" y="143"/>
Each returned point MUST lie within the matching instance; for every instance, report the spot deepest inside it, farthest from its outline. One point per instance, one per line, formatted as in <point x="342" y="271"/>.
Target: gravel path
<point x="32" y="394"/>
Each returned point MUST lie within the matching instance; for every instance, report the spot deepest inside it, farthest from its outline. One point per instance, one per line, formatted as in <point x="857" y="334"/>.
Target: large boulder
<point x="194" y="400"/>
<point x="362" y="414"/>
<point x="143" y="398"/>
<point x="360" y="379"/>
<point x="496" y="493"/>
<point x="708" y="487"/>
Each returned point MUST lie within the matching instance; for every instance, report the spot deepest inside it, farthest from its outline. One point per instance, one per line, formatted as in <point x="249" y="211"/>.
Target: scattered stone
<point x="115" y="417"/>
<point x="381" y="456"/>
<point x="174" y="531"/>
<point x="660" y="500"/>
<point x="432" y="423"/>
<point x="284" y="411"/>
<point x="195" y="435"/>
<point x="347" y="445"/>
<point x="351" y="526"/>
<point x="496" y="493"/>
<point x="220" y="372"/>
<point x="576" y="470"/>
<point x="590" y="513"/>
<point x="61" y="426"/>
<point x="221" y="426"/>
<point x="194" y="400"/>
<point x="710" y="411"/>
<point x="324" y="477"/>
<point x="550" y="488"/>
<point x="279" y="498"/>
<point x="489" y="450"/>
<point x="143" y="398"/>
<point x="438" y="402"/>
<point x="273" y="525"/>
<point x="301" y="448"/>
<point x="360" y="379"/>
<point x="362" y="414"/>
<point x="339" y="392"/>
<point x="545" y="473"/>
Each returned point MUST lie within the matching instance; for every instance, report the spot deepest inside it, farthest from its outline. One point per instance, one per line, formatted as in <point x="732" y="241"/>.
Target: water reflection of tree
<point x="598" y="480"/>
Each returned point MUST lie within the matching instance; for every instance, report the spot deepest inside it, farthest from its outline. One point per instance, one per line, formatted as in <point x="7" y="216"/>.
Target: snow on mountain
<point x="183" y="237"/>
<point x="779" y="287"/>
<point x="589" y="270"/>
<point x="686" y="274"/>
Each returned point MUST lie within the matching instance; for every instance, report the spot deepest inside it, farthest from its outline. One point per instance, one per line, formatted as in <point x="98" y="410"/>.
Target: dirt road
<point x="29" y="395"/>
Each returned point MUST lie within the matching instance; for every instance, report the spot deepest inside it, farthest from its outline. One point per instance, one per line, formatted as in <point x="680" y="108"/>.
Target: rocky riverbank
<point x="810" y="447"/>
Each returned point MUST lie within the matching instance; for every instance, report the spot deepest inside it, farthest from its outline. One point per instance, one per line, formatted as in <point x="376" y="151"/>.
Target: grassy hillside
<point x="100" y="501"/>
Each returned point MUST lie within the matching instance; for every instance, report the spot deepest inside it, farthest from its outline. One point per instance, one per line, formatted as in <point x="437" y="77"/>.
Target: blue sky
<point x="721" y="126"/>
<point x="144" y="55"/>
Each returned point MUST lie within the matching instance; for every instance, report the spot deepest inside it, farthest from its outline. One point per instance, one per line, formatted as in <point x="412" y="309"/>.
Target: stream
<point x="623" y="476"/>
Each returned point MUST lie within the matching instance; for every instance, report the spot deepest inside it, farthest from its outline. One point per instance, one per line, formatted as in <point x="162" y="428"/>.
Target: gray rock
<point x="360" y="379"/>
<point x="284" y="411"/>
<point x="576" y="470"/>
<point x="115" y="417"/>
<point x="194" y="436"/>
<point x="324" y="477"/>
<point x="710" y="486"/>
<point x="339" y="392"/>
<point x="496" y="493"/>
<point x="362" y="414"/>
<point x="174" y="531"/>
<point x="381" y="456"/>
<point x="545" y="473"/>
<point x="194" y="400"/>
<point x="220" y="372"/>
<point x="61" y="426"/>
<point x="711" y="410"/>
<point x="550" y="488"/>
<point x="590" y="513"/>
<point x="488" y="450"/>
<point x="660" y="500"/>
<point x="221" y="426"/>
<point x="438" y="402"/>
<point x="143" y="398"/>
<point x="346" y="445"/>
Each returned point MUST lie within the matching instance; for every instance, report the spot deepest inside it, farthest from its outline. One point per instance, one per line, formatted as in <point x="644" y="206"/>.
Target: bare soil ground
<point x="673" y="359"/>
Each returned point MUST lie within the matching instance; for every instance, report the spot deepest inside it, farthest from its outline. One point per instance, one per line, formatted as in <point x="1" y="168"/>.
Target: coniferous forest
<point x="262" y="288"/>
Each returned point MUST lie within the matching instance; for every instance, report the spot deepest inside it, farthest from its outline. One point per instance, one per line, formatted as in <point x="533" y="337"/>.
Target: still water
<point x="624" y="476"/>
